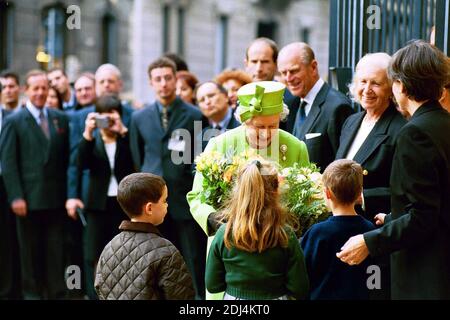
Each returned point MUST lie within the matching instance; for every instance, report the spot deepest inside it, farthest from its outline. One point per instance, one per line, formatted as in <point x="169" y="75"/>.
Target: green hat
<point x="264" y="98"/>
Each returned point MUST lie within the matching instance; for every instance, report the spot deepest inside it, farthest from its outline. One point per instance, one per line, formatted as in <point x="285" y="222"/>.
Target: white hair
<point x="380" y="59"/>
<point x="109" y="67"/>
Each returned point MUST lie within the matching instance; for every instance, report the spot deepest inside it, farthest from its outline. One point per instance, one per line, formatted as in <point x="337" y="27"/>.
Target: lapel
<point x="100" y="149"/>
<point x="4" y="114"/>
<point x="377" y="136"/>
<point x="315" y="111"/>
<point x="126" y="114"/>
<point x="348" y="135"/>
<point x="154" y="120"/>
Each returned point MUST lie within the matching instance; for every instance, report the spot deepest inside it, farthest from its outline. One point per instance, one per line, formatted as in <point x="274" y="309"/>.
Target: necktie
<point x="44" y="124"/>
<point x="165" y="118"/>
<point x="300" y="117"/>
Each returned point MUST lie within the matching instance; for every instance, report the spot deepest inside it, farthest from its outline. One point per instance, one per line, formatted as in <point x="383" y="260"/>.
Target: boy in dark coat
<point x="330" y="278"/>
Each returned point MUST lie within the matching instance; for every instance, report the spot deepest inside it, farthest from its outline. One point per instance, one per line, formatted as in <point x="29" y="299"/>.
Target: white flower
<point x="315" y="177"/>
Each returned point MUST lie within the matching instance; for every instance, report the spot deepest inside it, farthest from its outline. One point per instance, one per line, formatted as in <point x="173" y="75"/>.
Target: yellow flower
<point x="228" y="175"/>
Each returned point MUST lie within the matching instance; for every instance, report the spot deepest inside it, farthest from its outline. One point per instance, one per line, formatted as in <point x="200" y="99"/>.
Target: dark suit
<point x="418" y="232"/>
<point x="9" y="256"/>
<point x="375" y="156"/>
<point x="103" y="213"/>
<point x="326" y="117"/>
<point x="35" y="169"/>
<point x="149" y="146"/>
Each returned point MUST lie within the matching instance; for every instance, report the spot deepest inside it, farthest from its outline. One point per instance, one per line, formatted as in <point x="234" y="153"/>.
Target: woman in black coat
<point x="104" y="150"/>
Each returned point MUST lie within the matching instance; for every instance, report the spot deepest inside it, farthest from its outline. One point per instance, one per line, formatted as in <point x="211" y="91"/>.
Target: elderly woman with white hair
<point x="369" y="136"/>
<point x="260" y="109"/>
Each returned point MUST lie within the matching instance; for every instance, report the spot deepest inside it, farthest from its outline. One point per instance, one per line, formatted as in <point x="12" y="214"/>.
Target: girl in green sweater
<point x="256" y="255"/>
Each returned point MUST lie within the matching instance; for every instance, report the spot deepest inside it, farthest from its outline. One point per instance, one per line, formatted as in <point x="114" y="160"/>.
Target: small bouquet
<point x="302" y="195"/>
<point x="218" y="173"/>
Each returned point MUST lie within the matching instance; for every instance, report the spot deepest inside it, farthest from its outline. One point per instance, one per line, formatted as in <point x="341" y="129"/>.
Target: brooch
<point x="283" y="149"/>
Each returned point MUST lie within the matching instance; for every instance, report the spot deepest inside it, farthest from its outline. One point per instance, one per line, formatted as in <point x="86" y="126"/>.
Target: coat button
<point x="365" y="172"/>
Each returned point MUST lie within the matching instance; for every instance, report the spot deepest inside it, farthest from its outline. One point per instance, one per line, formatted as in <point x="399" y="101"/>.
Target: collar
<point x="72" y="101"/>
<point x="312" y="94"/>
<point x="127" y="225"/>
<point x="225" y="121"/>
<point x="36" y="111"/>
<point x="427" y="106"/>
<point x="169" y="106"/>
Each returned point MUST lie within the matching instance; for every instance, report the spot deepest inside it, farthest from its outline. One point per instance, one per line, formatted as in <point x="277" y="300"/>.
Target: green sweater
<point x="255" y="276"/>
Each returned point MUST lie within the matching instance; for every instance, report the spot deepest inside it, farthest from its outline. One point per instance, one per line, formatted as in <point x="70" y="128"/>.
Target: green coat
<point x="295" y="152"/>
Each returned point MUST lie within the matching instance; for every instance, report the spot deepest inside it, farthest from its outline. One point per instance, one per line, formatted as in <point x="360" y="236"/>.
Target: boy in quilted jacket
<point x="139" y="264"/>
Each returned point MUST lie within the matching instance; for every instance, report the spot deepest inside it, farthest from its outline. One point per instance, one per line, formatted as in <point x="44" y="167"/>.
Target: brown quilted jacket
<point x="138" y="264"/>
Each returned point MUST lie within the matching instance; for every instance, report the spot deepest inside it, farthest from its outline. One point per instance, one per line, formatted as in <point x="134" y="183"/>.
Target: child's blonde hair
<point x="256" y="221"/>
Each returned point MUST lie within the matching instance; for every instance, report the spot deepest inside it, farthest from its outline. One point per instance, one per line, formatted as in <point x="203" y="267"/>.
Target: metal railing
<point x="358" y="27"/>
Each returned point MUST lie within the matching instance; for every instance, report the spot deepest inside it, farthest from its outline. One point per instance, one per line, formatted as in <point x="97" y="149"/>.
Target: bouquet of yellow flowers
<point x="301" y="187"/>
<point x="302" y="195"/>
<point x="218" y="173"/>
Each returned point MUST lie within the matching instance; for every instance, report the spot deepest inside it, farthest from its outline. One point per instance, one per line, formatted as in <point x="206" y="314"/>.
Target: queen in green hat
<point x="260" y="110"/>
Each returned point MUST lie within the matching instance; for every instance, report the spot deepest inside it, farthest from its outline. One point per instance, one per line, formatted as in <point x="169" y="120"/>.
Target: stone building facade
<point x="209" y="34"/>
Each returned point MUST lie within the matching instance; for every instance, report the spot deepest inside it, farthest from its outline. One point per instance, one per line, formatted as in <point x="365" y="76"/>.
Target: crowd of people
<point x="87" y="179"/>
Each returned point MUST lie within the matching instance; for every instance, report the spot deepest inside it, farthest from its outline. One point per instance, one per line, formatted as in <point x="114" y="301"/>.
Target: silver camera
<point x="102" y="121"/>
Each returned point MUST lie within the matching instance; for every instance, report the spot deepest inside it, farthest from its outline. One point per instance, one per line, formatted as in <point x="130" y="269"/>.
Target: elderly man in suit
<point x="212" y="100"/>
<point x="34" y="158"/>
<point x="159" y="134"/>
<point x="319" y="110"/>
<point x="417" y="232"/>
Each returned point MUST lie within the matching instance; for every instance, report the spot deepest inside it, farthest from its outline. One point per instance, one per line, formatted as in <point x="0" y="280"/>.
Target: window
<point x="267" y="29"/>
<point x="305" y="34"/>
<point x="181" y="22"/>
<point x="221" y="43"/>
<point x="54" y="20"/>
<point x="6" y="34"/>
<point x="110" y="39"/>
<point x="166" y="28"/>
